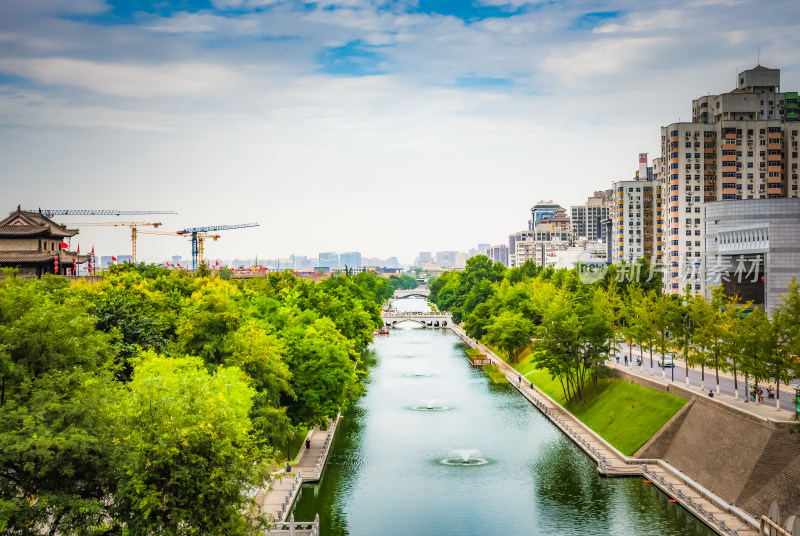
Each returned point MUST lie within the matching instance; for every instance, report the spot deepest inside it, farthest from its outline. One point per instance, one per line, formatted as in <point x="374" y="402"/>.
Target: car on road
<point x="668" y="360"/>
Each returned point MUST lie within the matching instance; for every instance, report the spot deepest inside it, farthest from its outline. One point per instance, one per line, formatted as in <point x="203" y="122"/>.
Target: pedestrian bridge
<point x="430" y="320"/>
<point x="419" y="292"/>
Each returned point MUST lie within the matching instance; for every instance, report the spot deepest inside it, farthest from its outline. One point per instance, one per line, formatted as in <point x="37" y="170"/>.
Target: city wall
<point x="745" y="459"/>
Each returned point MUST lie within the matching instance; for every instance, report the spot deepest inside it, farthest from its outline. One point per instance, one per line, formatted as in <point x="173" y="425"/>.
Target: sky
<point x="376" y="126"/>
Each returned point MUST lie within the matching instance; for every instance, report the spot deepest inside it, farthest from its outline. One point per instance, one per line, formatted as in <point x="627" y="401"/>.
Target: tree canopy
<point x="154" y="401"/>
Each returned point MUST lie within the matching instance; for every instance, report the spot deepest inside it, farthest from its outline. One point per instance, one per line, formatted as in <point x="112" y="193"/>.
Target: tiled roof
<point x="24" y="218"/>
<point x="24" y="256"/>
<point x="761" y="68"/>
<point x="22" y="230"/>
<point x="37" y="256"/>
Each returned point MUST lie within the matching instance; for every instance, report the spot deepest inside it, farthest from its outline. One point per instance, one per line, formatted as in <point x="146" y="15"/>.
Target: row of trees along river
<point x="155" y="401"/>
<point x="575" y="325"/>
<point x="436" y="447"/>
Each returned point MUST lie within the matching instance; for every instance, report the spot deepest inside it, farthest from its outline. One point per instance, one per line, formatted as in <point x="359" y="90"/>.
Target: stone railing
<point x="295" y="528"/>
<point x="326" y="447"/>
<point x="561" y="423"/>
<point x="690" y="503"/>
<point x="604" y="464"/>
<point x="294" y="489"/>
<point x="416" y="313"/>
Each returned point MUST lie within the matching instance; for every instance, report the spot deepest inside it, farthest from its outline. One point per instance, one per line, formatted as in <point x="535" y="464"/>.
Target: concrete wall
<point x="747" y="460"/>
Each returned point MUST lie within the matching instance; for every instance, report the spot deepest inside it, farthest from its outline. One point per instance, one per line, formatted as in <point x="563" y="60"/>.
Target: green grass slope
<point x="624" y="414"/>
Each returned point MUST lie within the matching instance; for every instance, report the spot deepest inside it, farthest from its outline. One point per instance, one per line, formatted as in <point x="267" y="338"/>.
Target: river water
<point x="385" y="473"/>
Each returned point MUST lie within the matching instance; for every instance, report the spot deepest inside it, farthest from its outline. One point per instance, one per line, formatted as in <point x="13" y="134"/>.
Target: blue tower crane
<point x="193" y="231"/>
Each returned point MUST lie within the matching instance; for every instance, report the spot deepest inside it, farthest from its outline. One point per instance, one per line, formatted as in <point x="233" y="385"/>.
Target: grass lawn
<point x="624" y="414"/>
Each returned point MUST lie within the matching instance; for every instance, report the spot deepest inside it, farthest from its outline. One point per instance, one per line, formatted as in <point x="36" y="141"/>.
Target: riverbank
<point x="284" y="487"/>
<point x="723" y="518"/>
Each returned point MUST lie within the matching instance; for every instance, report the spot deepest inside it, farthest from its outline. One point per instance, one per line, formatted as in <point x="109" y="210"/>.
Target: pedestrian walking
<point x="519" y="379"/>
<point x="308" y="443"/>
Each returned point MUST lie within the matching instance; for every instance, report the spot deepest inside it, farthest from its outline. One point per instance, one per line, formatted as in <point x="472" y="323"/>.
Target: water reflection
<point x="568" y="489"/>
<point x="384" y="474"/>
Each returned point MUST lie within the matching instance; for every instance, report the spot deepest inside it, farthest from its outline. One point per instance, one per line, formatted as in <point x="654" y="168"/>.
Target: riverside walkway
<point x="678" y="387"/>
<point x="308" y="465"/>
<point x="723" y="518"/>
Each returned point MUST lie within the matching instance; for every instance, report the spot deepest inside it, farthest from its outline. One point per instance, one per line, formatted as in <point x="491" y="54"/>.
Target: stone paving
<point x="307" y="467"/>
<point x="713" y="511"/>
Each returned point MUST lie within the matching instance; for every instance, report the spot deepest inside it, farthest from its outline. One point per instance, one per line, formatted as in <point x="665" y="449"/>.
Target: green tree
<point x="511" y="333"/>
<point x="573" y="339"/>
<point x="324" y="377"/>
<point x="185" y="457"/>
<point x="54" y="386"/>
<point x="787" y="326"/>
<point x="667" y="315"/>
<point x="260" y="355"/>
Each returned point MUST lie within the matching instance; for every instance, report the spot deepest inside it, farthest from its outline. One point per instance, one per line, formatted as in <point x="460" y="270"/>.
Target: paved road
<point x="725" y="381"/>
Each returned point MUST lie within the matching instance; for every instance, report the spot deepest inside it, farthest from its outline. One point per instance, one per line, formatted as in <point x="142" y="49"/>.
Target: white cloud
<point x="243" y="4"/>
<point x="228" y="117"/>
<point x="124" y="80"/>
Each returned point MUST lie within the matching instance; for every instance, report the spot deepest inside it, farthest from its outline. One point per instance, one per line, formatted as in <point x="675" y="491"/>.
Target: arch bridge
<point x="419" y="292"/>
<point x="430" y="320"/>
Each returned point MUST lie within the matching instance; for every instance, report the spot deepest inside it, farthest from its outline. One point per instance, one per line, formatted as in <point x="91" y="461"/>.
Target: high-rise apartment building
<point x="498" y="253"/>
<point x="739" y="145"/>
<point x="586" y="218"/>
<point x="351" y="259"/>
<point x="637" y="222"/>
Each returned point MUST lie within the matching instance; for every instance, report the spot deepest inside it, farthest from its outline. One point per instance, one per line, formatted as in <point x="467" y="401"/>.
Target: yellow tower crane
<point x="200" y="238"/>
<point x="132" y="224"/>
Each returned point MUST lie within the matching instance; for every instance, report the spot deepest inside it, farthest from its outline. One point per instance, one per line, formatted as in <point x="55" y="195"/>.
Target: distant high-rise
<point x="424" y="257"/>
<point x="586" y="218"/>
<point x="351" y="259"/>
<point x="446" y="259"/>
<point x="328" y="259"/>
<point x="498" y="253"/>
<point x="636" y="223"/>
<point x="483" y="248"/>
<point x="542" y="209"/>
<point x="739" y="145"/>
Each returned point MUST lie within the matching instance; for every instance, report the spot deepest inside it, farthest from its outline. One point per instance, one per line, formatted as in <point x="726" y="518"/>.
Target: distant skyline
<point x="353" y="125"/>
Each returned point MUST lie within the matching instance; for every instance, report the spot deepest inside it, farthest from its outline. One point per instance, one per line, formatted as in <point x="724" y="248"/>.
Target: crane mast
<point x="197" y="244"/>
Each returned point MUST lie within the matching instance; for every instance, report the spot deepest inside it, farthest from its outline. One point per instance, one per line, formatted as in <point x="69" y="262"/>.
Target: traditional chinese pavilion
<point x="34" y="244"/>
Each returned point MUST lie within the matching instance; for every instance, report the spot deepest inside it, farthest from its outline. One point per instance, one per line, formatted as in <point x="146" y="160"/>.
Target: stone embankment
<point x="743" y="452"/>
<point x="724" y="518"/>
<point x="284" y="487"/>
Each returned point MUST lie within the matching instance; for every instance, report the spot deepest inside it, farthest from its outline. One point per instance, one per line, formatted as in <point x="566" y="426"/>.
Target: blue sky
<point x="321" y="119"/>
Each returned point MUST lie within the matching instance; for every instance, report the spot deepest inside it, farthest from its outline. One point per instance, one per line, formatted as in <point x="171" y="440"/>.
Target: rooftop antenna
<point x="759" y="55"/>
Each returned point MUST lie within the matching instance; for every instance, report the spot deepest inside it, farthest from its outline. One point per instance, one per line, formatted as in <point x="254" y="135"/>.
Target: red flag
<point x="167" y="262"/>
<point x="79" y="249"/>
<point x="114" y="259"/>
<point x="179" y="265"/>
<point x="64" y="245"/>
<point x="217" y="263"/>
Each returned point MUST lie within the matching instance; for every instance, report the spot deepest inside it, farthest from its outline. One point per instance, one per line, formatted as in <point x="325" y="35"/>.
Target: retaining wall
<point x="745" y="459"/>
